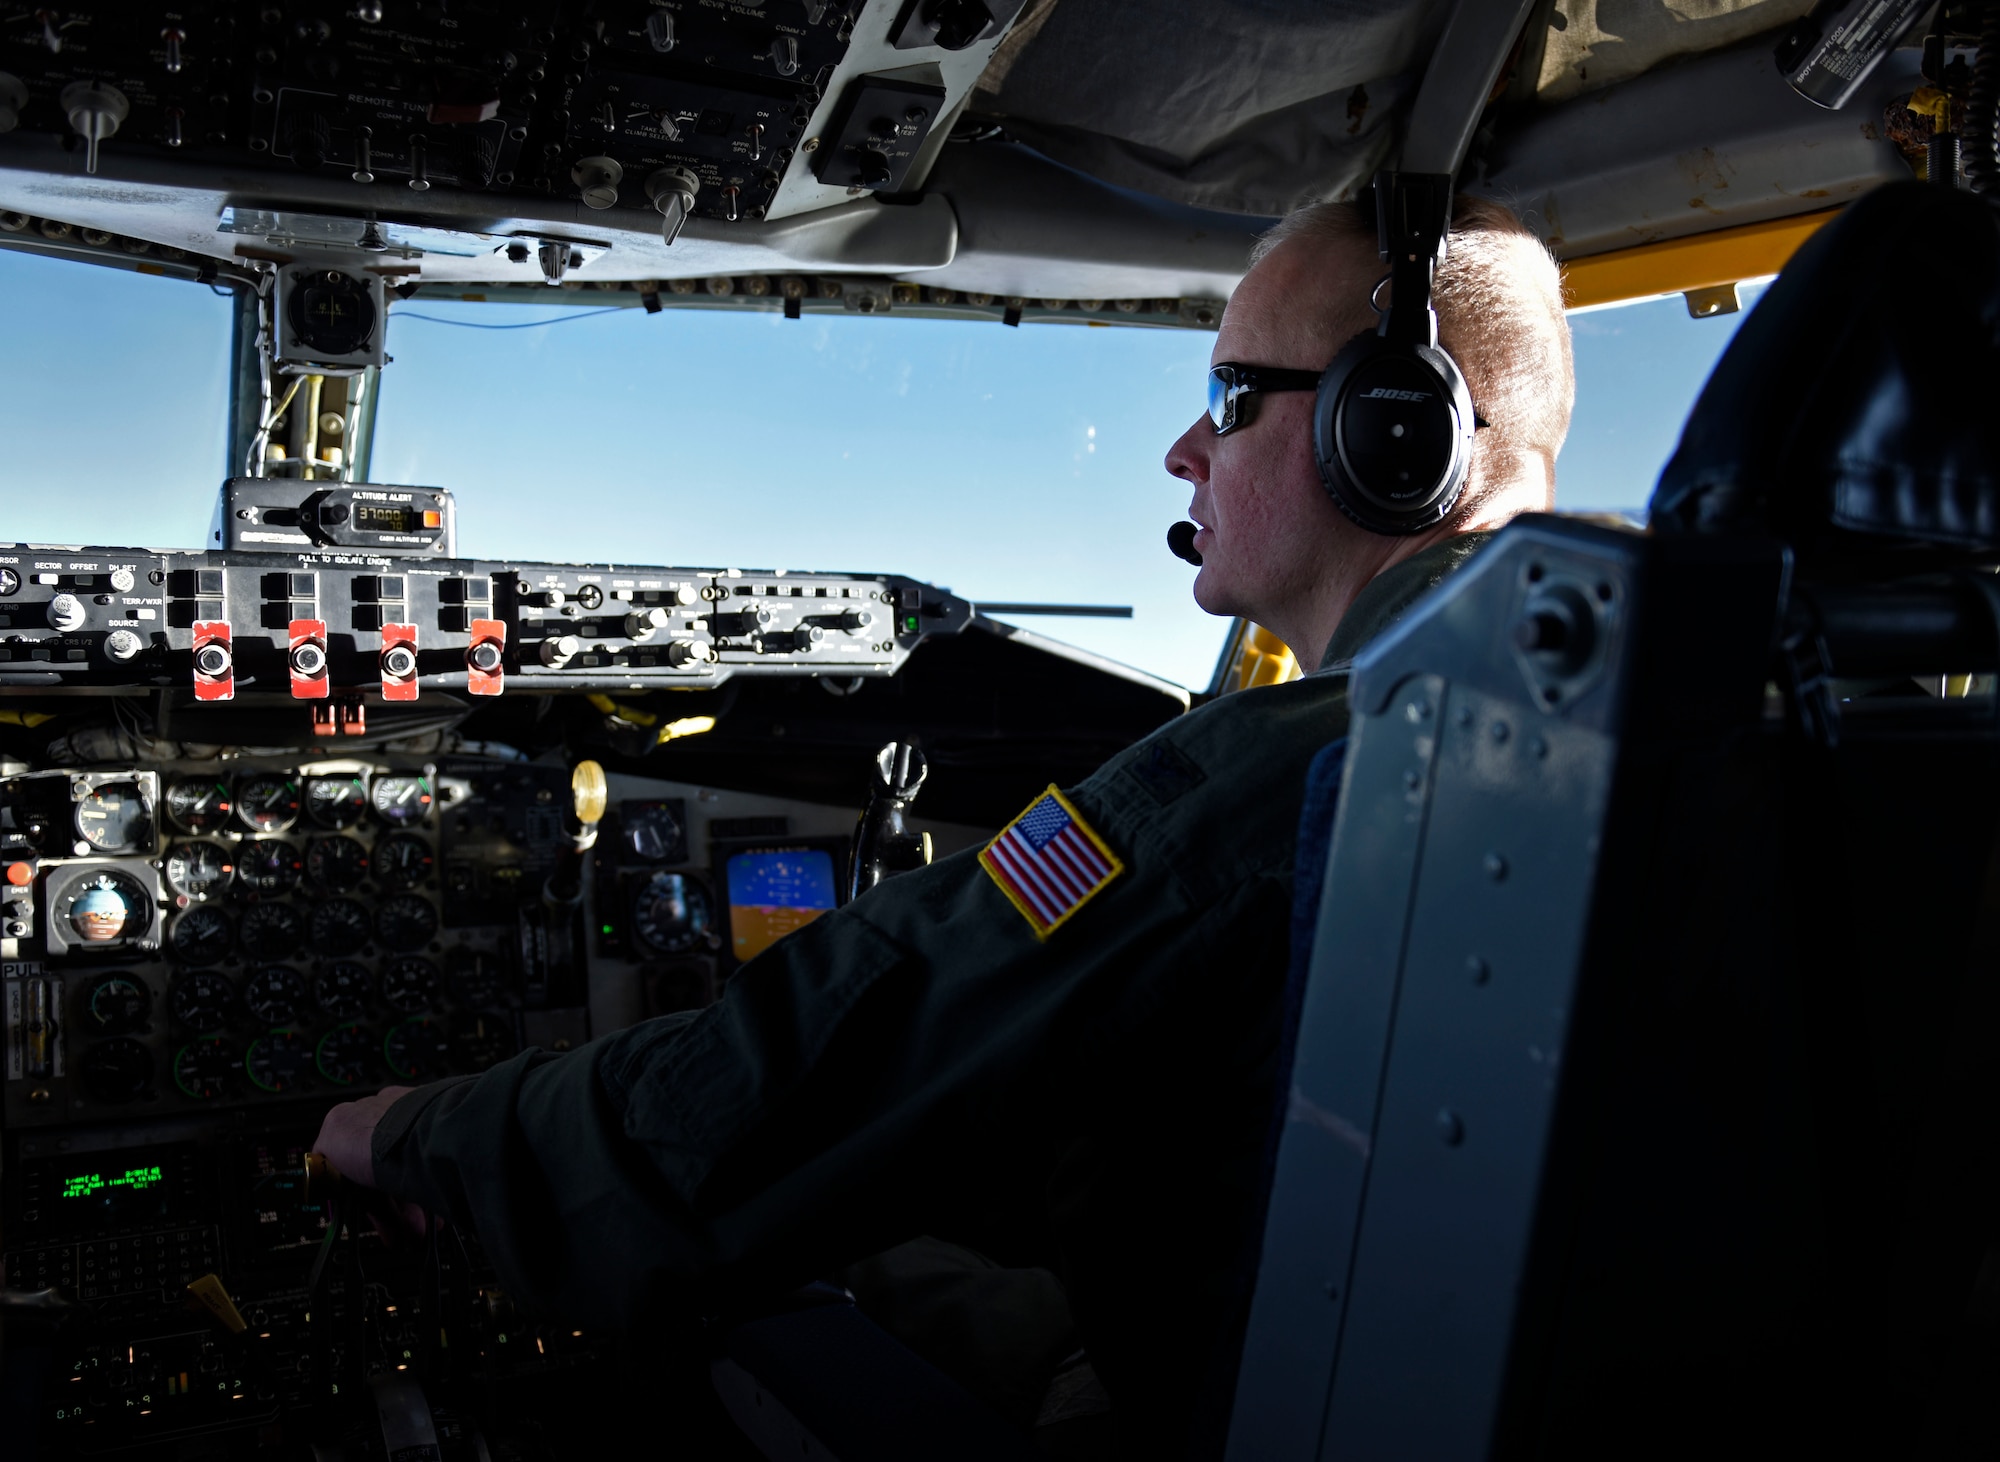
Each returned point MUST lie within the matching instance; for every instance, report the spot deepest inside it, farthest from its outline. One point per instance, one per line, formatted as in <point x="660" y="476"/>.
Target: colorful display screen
<point x="772" y="892"/>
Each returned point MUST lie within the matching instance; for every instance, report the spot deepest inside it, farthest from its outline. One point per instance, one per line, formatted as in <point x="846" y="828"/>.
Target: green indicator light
<point x="909" y="624"/>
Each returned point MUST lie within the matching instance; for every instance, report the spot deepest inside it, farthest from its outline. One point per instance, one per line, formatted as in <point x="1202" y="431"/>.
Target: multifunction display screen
<point x="772" y="892"/>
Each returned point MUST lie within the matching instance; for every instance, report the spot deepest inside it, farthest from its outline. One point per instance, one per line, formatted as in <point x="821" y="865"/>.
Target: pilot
<point x="1060" y="1047"/>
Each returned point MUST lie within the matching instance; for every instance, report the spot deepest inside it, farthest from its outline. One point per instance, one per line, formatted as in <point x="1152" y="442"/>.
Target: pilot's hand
<point x="346" y="1138"/>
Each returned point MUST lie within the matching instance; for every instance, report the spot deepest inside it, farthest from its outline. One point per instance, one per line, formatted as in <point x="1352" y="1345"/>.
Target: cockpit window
<point x="1639" y="368"/>
<point x="1011" y="465"/>
<point x="114" y="403"/>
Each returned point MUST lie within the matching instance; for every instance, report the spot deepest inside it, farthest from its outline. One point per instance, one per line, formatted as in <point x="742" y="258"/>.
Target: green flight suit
<point x="920" y="1062"/>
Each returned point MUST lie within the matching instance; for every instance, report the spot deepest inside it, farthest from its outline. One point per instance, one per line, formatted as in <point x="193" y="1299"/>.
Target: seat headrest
<point x="1859" y="404"/>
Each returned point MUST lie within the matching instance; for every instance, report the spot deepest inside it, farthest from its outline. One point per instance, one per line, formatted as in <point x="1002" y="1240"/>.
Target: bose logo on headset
<point x="1383" y="393"/>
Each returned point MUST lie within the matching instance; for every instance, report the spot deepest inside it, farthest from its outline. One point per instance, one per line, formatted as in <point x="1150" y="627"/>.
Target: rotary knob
<point x="122" y="644"/>
<point x="689" y="652"/>
<point x="873" y="165"/>
<point x="641" y="623"/>
<point x="121" y="580"/>
<point x="556" y="651"/>
<point x="66" y="613"/>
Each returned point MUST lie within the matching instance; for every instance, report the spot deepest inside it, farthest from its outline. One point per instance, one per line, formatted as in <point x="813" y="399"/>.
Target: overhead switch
<point x="673" y="192"/>
<point x="96" y="111"/>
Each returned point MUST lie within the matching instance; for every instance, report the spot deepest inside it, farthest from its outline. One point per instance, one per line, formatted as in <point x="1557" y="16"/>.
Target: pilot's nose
<point x="1188" y="458"/>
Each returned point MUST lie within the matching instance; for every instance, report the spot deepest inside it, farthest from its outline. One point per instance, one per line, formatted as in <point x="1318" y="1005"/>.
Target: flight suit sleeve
<point x="892" y="1066"/>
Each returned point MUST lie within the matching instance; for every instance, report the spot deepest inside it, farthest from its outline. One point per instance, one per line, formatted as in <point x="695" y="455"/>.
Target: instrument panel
<point x="217" y="935"/>
<point x="322" y="626"/>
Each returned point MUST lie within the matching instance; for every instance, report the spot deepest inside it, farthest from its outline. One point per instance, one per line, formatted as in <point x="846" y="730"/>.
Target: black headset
<point x="1393" y="420"/>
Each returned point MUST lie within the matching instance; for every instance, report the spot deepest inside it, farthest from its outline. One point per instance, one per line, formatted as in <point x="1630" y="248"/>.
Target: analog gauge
<point x="475" y="976"/>
<point x="336" y="802"/>
<point x="271" y="931"/>
<point x="402" y="860"/>
<point x="339" y="927"/>
<point x="342" y="989"/>
<point x="200" y="870"/>
<point x="202" y="1001"/>
<point x="200" y="936"/>
<point x="274" y="994"/>
<point x="199" y="805"/>
<point x="480" y="1041"/>
<point x="336" y="863"/>
<point x="278" y="1061"/>
<point x="401" y="801"/>
<point x="405" y="921"/>
<point x="672" y="913"/>
<point x="410" y="983"/>
<point x="205" y="1069"/>
<point x="106" y="907"/>
<point x="117" y="1003"/>
<point x="267" y="803"/>
<point x="117" y="1070"/>
<point x="418" y="1049"/>
<point x="115" y="818"/>
<point x="345" y="1054"/>
<point x="269" y="865"/>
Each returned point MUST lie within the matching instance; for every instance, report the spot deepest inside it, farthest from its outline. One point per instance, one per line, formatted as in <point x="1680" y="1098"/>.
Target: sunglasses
<point x="1230" y="385"/>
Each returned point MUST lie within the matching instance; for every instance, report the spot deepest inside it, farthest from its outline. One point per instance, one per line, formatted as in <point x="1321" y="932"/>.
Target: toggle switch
<point x="306" y="660"/>
<point x="399" y="662"/>
<point x="485" y="657"/>
<point x="214" y="661"/>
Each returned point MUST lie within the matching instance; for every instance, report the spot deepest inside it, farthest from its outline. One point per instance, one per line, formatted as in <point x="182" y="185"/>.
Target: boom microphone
<point x="1180" y="538"/>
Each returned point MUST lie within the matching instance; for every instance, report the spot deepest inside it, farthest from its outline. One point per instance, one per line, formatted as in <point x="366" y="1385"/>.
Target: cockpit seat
<point x="1646" y="1091"/>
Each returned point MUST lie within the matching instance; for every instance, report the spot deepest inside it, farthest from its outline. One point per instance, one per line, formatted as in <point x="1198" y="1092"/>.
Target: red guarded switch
<point x="214" y="661"/>
<point x="307" y="661"/>
<point x="484" y="657"/>
<point x="399" y="662"/>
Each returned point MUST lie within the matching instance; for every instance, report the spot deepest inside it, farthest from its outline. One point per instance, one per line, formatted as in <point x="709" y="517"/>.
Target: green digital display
<point x="84" y="1184"/>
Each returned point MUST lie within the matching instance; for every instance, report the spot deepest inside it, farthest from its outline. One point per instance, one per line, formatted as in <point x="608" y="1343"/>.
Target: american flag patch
<point x="1049" y="863"/>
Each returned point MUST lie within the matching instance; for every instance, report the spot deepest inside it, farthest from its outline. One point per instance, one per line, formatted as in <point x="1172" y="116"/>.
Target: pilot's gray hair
<point x="1500" y="314"/>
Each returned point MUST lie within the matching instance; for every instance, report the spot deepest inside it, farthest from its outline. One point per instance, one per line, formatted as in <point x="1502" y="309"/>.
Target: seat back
<point x="1648" y="1068"/>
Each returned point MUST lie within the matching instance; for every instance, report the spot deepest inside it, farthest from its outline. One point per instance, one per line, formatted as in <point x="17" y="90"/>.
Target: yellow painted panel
<point x="1700" y="262"/>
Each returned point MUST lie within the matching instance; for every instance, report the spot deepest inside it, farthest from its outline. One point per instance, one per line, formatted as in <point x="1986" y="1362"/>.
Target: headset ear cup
<point x="1392" y="434"/>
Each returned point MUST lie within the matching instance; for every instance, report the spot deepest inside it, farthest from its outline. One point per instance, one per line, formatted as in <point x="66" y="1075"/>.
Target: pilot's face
<point x="1268" y="531"/>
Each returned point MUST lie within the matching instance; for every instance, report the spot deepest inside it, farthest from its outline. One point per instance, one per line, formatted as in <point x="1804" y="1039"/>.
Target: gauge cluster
<point x="206" y="935"/>
<point x="198" y="937"/>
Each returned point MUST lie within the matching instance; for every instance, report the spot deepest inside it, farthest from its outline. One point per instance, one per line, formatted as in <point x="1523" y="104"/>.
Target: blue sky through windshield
<point x="1018" y="464"/>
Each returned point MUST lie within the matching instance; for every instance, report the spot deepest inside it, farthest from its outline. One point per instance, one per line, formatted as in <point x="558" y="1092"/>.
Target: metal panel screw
<point x="1451" y="1131"/>
<point x="1496" y="867"/>
<point x="1477" y="970"/>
